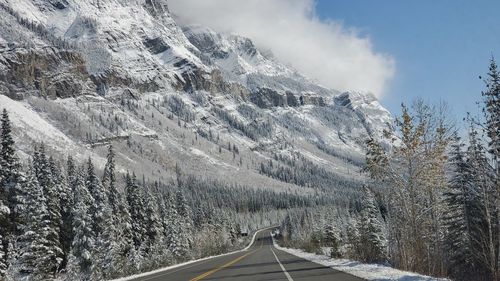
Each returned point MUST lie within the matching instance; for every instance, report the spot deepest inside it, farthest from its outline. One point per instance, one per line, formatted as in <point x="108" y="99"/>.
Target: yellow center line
<point x="208" y="273"/>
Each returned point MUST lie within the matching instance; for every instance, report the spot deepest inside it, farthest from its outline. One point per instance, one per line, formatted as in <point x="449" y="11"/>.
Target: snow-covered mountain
<point x="79" y="75"/>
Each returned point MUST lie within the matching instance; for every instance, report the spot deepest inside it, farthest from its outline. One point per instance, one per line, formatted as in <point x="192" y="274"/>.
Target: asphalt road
<point x="260" y="262"/>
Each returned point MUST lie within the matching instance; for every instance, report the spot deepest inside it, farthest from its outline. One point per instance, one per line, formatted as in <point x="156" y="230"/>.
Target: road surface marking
<point x="160" y="274"/>
<point x="208" y="273"/>
<point x="282" y="267"/>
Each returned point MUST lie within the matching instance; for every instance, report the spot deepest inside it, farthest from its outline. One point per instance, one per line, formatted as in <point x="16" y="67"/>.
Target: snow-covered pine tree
<point x="99" y="206"/>
<point x="46" y="181"/>
<point x="104" y="230"/>
<point x="174" y="229"/>
<point x="4" y="244"/>
<point x="106" y="252"/>
<point x="492" y="127"/>
<point x="331" y="238"/>
<point x="315" y="238"/>
<point x="33" y="253"/>
<point x="66" y="198"/>
<point x="186" y="225"/>
<point x="109" y="181"/>
<point x="160" y="252"/>
<point x="5" y="211"/>
<point x="483" y="178"/>
<point x="152" y="220"/>
<point x="125" y="244"/>
<point x="65" y="201"/>
<point x="120" y="217"/>
<point x="154" y="229"/>
<point x="4" y="241"/>
<point x="353" y="239"/>
<point x="80" y="263"/>
<point x="9" y="162"/>
<point x="10" y="188"/>
<point x="492" y="111"/>
<point x="371" y="229"/>
<point x="376" y="160"/>
<point x="163" y="212"/>
<point x="461" y="219"/>
<point x="137" y="211"/>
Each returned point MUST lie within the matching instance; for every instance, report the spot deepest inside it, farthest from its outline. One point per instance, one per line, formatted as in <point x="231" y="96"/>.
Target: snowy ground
<point x="375" y="272"/>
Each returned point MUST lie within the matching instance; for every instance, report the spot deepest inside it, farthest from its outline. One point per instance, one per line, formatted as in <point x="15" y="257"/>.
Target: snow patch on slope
<point x="29" y="126"/>
<point x="211" y="160"/>
<point x="29" y="123"/>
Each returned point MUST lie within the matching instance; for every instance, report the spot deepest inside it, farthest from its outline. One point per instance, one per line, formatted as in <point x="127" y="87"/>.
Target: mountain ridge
<point x="124" y="72"/>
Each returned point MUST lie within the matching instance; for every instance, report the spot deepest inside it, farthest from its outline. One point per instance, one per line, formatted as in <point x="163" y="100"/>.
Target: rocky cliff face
<point x="123" y="72"/>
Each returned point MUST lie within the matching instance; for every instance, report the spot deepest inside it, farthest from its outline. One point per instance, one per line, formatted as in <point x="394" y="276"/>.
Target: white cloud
<point x="326" y="51"/>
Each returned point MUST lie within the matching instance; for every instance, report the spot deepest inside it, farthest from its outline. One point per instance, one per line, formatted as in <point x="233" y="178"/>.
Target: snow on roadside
<point x="375" y="272"/>
<point x="132" y="277"/>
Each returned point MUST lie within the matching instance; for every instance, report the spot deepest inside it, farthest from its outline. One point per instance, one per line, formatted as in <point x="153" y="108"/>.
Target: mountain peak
<point x="181" y="93"/>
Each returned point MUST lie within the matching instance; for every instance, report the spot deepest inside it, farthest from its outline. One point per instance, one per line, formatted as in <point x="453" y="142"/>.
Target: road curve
<point x="262" y="261"/>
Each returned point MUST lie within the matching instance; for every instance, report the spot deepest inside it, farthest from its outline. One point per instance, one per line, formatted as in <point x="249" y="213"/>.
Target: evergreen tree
<point x="124" y="237"/>
<point x="372" y="237"/>
<point x="106" y="252"/>
<point x="47" y="182"/>
<point x="461" y="219"/>
<point x="174" y="229"/>
<point x="99" y="207"/>
<point x="332" y="240"/>
<point x="353" y="238"/>
<point x="4" y="241"/>
<point x="104" y="229"/>
<point x="136" y="209"/>
<point x="492" y="110"/>
<point x="153" y="233"/>
<point x="66" y="200"/>
<point x="10" y="188"/>
<point x="376" y="160"/>
<point x="8" y="159"/>
<point x="120" y="229"/>
<point x="482" y="177"/>
<point x="185" y="224"/>
<point x="152" y="221"/>
<point x="80" y="264"/>
<point x="4" y="209"/>
<point x="492" y="127"/>
<point x="33" y="249"/>
<point x="109" y="181"/>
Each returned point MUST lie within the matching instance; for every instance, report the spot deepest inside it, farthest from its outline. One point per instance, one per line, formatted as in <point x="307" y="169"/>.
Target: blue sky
<point x="440" y="47"/>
